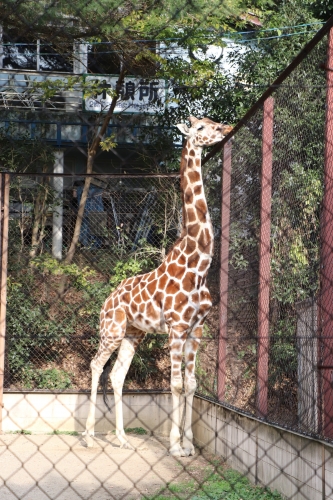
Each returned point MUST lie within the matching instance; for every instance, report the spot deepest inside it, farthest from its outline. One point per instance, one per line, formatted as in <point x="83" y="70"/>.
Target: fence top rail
<point x="272" y="88"/>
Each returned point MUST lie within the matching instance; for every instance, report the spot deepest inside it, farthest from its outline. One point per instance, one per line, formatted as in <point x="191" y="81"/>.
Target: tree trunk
<point x="92" y="151"/>
<point x="38" y="229"/>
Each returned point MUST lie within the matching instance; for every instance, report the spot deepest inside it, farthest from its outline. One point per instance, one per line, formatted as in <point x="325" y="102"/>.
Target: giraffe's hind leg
<point x="125" y="355"/>
<point x="113" y="326"/>
<point x="190" y="384"/>
<point x="176" y="344"/>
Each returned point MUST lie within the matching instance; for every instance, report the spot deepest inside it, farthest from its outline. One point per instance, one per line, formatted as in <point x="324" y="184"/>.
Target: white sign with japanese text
<point x="137" y="95"/>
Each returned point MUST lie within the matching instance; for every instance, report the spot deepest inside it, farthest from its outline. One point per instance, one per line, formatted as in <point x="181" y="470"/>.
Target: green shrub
<point x="52" y="378"/>
<point x="29" y="330"/>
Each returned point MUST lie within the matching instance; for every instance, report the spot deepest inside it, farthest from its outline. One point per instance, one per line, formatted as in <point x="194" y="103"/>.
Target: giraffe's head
<point x="204" y="132"/>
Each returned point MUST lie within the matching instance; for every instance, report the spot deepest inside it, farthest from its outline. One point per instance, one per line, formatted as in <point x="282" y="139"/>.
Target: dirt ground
<point x="41" y="467"/>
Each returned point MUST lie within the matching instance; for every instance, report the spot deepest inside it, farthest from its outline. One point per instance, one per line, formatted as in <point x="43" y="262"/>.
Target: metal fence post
<point x="326" y="294"/>
<point x="4" y="207"/>
<point x="264" y="258"/>
<point x="224" y="271"/>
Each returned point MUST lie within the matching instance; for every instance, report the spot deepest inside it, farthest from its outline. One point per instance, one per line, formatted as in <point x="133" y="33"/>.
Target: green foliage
<point x="140" y="431"/>
<point x="125" y="269"/>
<point x="295" y="242"/>
<point x="224" y="484"/>
<point x="144" y="362"/>
<point x="21" y="431"/>
<point x="283" y="351"/>
<point x="29" y="330"/>
<point x="18" y="153"/>
<point x="33" y="333"/>
<point x="80" y="276"/>
<point x="56" y="432"/>
<point x="52" y="378"/>
<point x="240" y="246"/>
<point x="108" y="143"/>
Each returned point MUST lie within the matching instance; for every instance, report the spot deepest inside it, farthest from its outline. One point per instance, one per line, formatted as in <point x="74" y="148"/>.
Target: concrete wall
<point x="45" y="412"/>
<point x="298" y="467"/>
<point x="273" y="457"/>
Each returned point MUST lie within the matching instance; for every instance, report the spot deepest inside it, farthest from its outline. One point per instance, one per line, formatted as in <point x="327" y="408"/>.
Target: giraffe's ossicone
<point x="172" y="299"/>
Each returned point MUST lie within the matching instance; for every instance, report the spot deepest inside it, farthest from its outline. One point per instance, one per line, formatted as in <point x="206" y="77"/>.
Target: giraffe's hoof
<point x="89" y="440"/>
<point x="127" y="446"/>
<point x="177" y="451"/>
<point x="189" y="451"/>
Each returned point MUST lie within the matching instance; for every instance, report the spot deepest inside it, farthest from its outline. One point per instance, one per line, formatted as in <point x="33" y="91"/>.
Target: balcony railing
<point x="18" y="90"/>
<point x="61" y="133"/>
<point x="21" y="89"/>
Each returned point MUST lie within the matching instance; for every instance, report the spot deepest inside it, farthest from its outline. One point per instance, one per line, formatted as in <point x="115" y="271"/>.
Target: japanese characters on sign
<point x="137" y="95"/>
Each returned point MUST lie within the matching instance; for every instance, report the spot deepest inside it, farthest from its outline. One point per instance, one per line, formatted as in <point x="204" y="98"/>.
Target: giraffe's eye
<point x="201" y="127"/>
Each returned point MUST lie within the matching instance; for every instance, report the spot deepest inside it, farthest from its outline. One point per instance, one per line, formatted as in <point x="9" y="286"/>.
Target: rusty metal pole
<point x="264" y="258"/>
<point x="4" y="207"/>
<point x="326" y="292"/>
<point x="224" y="271"/>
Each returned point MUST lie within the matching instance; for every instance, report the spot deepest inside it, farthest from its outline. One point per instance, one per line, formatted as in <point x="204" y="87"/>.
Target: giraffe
<point x="172" y="299"/>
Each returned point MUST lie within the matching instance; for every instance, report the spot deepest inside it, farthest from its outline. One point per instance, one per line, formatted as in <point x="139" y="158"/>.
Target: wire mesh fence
<point x="127" y="226"/>
<point x="285" y="257"/>
<point x="265" y="363"/>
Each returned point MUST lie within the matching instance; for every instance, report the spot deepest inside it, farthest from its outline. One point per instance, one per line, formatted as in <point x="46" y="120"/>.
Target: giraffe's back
<point x="174" y="294"/>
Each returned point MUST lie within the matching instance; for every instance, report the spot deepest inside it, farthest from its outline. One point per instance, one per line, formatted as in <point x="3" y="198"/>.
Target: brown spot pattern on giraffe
<point x="193" y="230"/>
<point x="167" y="302"/>
<point x="194" y="176"/>
<point x="151" y="287"/>
<point x="193" y="261"/>
<point x="182" y="260"/>
<point x="190" y="357"/>
<point x="189" y="281"/>
<point x="188" y="197"/>
<point x="180" y="301"/>
<point x="172" y="287"/>
<point x="188" y="245"/>
<point x="188" y="313"/>
<point x="191" y="215"/>
<point x="197" y="190"/>
<point x="163" y="281"/>
<point x="201" y="208"/>
<point x="175" y="271"/>
<point x="204" y="265"/>
<point x="158" y="297"/>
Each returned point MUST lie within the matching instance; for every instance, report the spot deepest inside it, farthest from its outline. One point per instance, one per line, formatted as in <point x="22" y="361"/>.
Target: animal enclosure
<point x="267" y="352"/>
<point x="264" y="351"/>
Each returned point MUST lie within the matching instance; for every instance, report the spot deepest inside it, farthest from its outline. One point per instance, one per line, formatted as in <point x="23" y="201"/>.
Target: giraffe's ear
<point x="183" y="128"/>
<point x="226" y="129"/>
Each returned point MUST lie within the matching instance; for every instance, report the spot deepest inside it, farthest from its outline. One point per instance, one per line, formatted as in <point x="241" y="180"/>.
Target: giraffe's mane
<point x="182" y="172"/>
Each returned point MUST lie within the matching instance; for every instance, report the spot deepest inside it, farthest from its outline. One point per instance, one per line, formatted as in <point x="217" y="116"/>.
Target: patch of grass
<point x="20" y="431"/>
<point x="182" y="487"/>
<point x="225" y="484"/>
<point x="66" y="433"/>
<point x="134" y="430"/>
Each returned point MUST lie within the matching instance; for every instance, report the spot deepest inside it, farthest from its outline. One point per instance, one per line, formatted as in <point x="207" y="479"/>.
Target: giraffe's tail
<point x="104" y="378"/>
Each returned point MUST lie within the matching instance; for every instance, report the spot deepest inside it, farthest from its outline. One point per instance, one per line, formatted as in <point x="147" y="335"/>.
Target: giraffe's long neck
<point x="196" y="220"/>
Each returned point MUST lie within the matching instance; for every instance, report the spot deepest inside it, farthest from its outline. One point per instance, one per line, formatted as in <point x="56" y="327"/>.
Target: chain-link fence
<point x="71" y="232"/>
<point x="129" y="222"/>
<point x="275" y="250"/>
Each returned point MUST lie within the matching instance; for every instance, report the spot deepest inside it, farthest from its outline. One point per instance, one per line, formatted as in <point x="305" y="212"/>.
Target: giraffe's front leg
<point x="191" y="349"/>
<point x="176" y="344"/>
